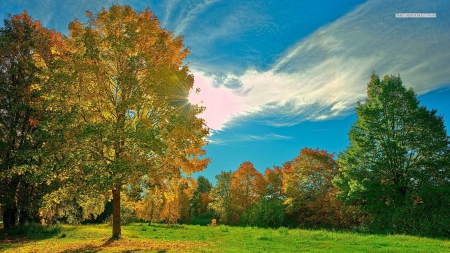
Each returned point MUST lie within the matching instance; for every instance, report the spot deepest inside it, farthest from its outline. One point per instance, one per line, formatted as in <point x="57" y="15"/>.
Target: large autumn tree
<point x="122" y="89"/>
<point x="396" y="167"/>
<point x="25" y="54"/>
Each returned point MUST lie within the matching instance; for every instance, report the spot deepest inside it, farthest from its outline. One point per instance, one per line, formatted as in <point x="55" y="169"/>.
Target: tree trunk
<point x="9" y="217"/>
<point x="117" y="231"/>
<point x="23" y="217"/>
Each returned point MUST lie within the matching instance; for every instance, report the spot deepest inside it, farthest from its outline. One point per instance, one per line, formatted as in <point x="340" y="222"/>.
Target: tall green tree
<point x="25" y="54"/>
<point x="396" y="167"/>
<point x="123" y="90"/>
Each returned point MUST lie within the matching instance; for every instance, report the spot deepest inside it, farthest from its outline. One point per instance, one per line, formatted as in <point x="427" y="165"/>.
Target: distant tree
<point x="396" y="167"/>
<point x="198" y="204"/>
<point x="269" y="211"/>
<point x="274" y="183"/>
<point x="122" y="91"/>
<point x="150" y="206"/>
<point x="247" y="188"/>
<point x="175" y="204"/>
<point x="265" y="213"/>
<point x="25" y="55"/>
<point x="188" y="186"/>
<point x="308" y="187"/>
<point x="203" y="185"/>
<point x="220" y="197"/>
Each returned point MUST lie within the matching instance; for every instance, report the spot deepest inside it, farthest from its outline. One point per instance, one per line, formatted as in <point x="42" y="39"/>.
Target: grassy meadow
<point x="142" y="237"/>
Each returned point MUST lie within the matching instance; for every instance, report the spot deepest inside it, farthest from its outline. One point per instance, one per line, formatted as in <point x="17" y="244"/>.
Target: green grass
<point x="188" y="238"/>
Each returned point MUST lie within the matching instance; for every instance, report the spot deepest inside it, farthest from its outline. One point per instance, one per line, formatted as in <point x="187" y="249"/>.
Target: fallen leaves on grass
<point x="104" y="245"/>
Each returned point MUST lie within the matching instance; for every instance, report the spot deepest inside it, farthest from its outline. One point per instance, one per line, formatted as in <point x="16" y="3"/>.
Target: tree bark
<point x="117" y="230"/>
<point x="9" y="217"/>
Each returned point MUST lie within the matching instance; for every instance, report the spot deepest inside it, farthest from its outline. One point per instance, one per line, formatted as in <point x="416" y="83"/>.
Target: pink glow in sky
<point x="221" y="105"/>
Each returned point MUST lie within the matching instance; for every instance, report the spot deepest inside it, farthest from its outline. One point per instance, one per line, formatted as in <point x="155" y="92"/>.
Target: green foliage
<point x="220" y="197"/>
<point x="202" y="219"/>
<point x="267" y="213"/>
<point x="427" y="219"/>
<point x="397" y="163"/>
<point x="203" y="185"/>
<point x="32" y="232"/>
<point x="198" y="203"/>
<point x="283" y="231"/>
<point x="25" y="55"/>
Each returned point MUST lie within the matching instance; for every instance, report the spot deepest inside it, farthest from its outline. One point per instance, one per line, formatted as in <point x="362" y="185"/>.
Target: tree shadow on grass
<point x="85" y="249"/>
<point x="31" y="232"/>
<point x="15" y="237"/>
<point x="90" y="248"/>
<point x="119" y="245"/>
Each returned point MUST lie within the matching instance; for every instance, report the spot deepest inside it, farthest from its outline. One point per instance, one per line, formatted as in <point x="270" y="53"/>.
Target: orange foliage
<point x="274" y="181"/>
<point x="308" y="186"/>
<point x="247" y="188"/>
<point x="205" y="201"/>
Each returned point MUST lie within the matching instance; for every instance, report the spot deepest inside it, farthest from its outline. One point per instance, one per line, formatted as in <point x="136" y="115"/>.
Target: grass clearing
<point x="188" y="238"/>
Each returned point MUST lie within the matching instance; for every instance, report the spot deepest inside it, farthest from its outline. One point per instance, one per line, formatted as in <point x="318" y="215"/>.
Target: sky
<point x="278" y="76"/>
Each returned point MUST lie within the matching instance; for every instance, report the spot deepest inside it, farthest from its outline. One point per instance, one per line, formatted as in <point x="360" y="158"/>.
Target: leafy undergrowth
<point x="141" y="237"/>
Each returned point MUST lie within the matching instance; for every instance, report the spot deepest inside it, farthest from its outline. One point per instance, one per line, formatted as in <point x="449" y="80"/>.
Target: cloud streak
<point x="192" y="13"/>
<point x="246" y="138"/>
<point x="325" y="74"/>
<point x="318" y="78"/>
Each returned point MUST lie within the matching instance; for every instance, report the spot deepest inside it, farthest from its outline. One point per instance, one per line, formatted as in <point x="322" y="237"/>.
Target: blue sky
<point x="278" y="76"/>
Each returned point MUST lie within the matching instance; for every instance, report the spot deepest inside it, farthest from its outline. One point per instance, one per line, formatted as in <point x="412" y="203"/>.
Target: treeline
<point x="394" y="177"/>
<point x="300" y="193"/>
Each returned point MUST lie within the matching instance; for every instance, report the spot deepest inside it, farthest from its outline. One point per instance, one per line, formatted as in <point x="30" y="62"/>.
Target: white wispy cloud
<point x="169" y="8"/>
<point x="324" y="75"/>
<point x="320" y="77"/>
<point x="57" y="14"/>
<point x="188" y="15"/>
<point x="246" y="138"/>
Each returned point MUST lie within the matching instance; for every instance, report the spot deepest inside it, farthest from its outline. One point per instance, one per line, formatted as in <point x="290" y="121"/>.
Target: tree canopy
<point x="397" y="160"/>
<point x="122" y="89"/>
<point x="25" y="55"/>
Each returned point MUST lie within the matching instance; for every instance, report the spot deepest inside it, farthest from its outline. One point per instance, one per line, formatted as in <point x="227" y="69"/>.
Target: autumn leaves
<point x="112" y="102"/>
<point x="300" y="192"/>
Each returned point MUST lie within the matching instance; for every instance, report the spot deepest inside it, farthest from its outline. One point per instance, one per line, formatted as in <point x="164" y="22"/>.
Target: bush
<point x="413" y="220"/>
<point x="33" y="231"/>
<point x="202" y="219"/>
<point x="267" y="213"/>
